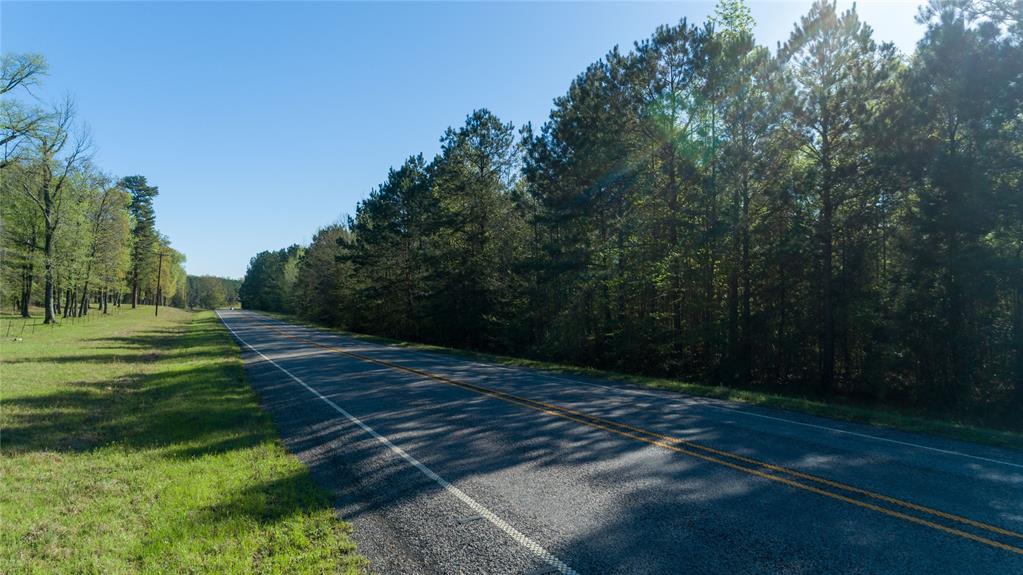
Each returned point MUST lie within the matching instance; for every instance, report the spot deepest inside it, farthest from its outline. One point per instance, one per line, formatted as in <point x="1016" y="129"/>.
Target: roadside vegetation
<point x="73" y="235"/>
<point x="132" y="444"/>
<point x="829" y="220"/>
<point x="75" y="238"/>
<point x="212" y="292"/>
<point x="898" y="418"/>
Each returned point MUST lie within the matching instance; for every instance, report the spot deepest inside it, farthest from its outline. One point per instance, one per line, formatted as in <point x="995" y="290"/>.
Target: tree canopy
<point x="73" y="236"/>
<point x="831" y="217"/>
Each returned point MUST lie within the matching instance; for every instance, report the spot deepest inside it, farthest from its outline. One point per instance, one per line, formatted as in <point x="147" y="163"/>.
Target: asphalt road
<point x="446" y="465"/>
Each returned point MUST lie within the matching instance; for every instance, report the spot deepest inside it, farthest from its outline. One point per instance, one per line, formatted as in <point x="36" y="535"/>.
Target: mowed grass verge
<point x="874" y="415"/>
<point x="133" y="444"/>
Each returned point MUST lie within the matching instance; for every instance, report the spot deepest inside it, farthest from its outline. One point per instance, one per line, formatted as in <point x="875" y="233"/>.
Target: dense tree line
<point x="212" y="292"/>
<point x="829" y="217"/>
<point x="73" y="237"/>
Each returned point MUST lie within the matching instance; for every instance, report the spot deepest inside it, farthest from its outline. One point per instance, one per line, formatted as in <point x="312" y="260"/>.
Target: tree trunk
<point x="959" y="341"/>
<point x="827" y="333"/>
<point x="621" y="267"/>
<point x="746" y="339"/>
<point x="675" y="295"/>
<point x="827" y="360"/>
<point x="708" y="335"/>
<point x="605" y="294"/>
<point x="26" y="290"/>
<point x="733" y="289"/>
<point x="83" y="310"/>
<point x="50" y="315"/>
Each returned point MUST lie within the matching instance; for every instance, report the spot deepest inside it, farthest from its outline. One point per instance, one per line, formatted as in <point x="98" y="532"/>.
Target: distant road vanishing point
<point x="449" y="465"/>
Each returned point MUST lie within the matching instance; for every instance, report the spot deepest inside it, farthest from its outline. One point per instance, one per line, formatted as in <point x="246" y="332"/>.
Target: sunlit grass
<point x="130" y="444"/>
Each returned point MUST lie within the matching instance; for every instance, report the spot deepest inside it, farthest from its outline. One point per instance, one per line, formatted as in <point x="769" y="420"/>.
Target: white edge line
<point x="737" y="409"/>
<point x="490" y="516"/>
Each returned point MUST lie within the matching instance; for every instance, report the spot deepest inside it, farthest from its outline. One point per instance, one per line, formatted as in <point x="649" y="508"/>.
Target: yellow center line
<point x="693" y="449"/>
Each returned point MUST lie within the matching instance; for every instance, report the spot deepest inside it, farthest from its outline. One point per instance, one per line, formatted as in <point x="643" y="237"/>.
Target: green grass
<point x="878" y="416"/>
<point x="133" y="444"/>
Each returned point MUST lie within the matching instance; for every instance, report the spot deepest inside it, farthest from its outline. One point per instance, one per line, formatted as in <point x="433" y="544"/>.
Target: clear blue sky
<point x="261" y="122"/>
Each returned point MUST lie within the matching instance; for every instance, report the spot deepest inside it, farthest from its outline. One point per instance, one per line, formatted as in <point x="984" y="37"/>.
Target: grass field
<point x="878" y="416"/>
<point x="133" y="444"/>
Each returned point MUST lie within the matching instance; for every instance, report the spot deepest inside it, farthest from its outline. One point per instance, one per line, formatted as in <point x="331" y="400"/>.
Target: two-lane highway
<point x="446" y="465"/>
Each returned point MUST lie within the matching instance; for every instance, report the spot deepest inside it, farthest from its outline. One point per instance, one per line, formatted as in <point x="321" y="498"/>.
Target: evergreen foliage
<point x="828" y="218"/>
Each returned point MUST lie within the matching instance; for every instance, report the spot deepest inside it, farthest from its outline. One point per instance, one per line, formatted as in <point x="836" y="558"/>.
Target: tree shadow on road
<point x="640" y="508"/>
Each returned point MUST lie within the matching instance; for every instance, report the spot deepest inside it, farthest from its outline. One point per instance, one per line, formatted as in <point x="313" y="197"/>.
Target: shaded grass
<point x="877" y="416"/>
<point x="133" y="444"/>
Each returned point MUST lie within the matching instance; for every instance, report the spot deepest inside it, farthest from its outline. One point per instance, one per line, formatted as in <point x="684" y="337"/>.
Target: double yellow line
<point x="787" y="476"/>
